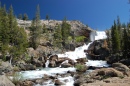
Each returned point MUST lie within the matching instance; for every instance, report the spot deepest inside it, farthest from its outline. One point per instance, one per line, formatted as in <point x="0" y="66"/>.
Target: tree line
<point x="13" y="39"/>
<point x="119" y="39"/>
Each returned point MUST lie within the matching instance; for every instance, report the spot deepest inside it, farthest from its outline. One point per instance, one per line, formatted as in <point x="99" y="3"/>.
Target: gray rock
<point x="4" y="81"/>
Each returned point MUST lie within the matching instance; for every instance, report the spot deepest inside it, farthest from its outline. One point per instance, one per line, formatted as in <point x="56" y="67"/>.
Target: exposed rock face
<point x="4" y="81"/>
<point x="98" y="50"/>
<point x="5" y="67"/>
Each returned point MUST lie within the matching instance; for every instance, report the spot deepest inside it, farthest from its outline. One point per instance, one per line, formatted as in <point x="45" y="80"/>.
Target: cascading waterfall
<point x="78" y="53"/>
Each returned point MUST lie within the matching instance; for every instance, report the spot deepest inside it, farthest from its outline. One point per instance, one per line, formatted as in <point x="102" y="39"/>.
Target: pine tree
<point x="36" y="29"/>
<point x="58" y="36"/>
<point x="17" y="36"/>
<point x="125" y="43"/>
<point x="4" y="32"/>
<point x="25" y="16"/>
<point x="115" y="38"/>
<point x="119" y="28"/>
<point x="65" y="30"/>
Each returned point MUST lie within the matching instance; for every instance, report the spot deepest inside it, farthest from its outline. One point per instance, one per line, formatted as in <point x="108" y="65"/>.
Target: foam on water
<point x="97" y="63"/>
<point x="78" y="53"/>
<point x="33" y="74"/>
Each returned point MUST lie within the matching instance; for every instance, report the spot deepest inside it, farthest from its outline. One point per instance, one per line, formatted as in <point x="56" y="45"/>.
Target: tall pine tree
<point x="115" y="38"/>
<point x="36" y="29"/>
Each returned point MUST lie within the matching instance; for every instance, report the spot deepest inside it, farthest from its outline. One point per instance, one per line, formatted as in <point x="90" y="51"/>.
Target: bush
<point x="81" y="67"/>
<point x="17" y="77"/>
<point x="80" y="38"/>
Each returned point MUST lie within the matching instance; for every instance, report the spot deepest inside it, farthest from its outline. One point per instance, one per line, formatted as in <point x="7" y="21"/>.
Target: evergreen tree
<point x="36" y="29"/>
<point x="57" y="36"/>
<point x="65" y="30"/>
<point x="4" y="31"/>
<point x="125" y="43"/>
<point x="115" y="38"/>
<point x="25" y="16"/>
<point x="17" y="36"/>
<point x="47" y="17"/>
<point x="119" y="28"/>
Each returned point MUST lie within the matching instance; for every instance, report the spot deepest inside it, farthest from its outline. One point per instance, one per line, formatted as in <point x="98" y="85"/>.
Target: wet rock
<point x="52" y="64"/>
<point x="59" y="83"/>
<point x="53" y="58"/>
<point x="39" y="81"/>
<point x="98" y="50"/>
<point x="71" y="72"/>
<point x="81" y="60"/>
<point x="65" y="65"/>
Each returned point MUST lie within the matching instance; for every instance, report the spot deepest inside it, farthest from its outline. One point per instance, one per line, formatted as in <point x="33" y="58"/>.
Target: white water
<point x="47" y="63"/>
<point x="97" y="63"/>
<point x="78" y="53"/>
<point x="97" y="35"/>
<point x="33" y="74"/>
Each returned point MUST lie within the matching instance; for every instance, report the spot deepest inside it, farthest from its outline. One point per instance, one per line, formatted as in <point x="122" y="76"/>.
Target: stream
<point x="78" y="53"/>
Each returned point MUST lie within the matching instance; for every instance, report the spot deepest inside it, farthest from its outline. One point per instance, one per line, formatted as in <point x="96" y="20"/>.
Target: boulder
<point x="5" y="67"/>
<point x="52" y="64"/>
<point x="98" y="50"/>
<point x="82" y="60"/>
<point x="125" y="61"/>
<point x="65" y="65"/>
<point x="106" y="73"/>
<point x="38" y="62"/>
<point x="27" y="83"/>
<point x="121" y="67"/>
<point x="4" y="81"/>
<point x="53" y="57"/>
<point x="30" y="67"/>
<point x="58" y="83"/>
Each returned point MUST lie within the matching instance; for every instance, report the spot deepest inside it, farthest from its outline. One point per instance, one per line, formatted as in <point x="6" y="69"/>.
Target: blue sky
<point x="98" y="14"/>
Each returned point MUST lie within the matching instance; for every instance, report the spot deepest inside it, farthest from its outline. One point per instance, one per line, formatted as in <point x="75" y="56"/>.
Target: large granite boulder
<point x="98" y="50"/>
<point x="121" y="67"/>
<point x="106" y="73"/>
<point x="5" y="67"/>
<point x="4" y="81"/>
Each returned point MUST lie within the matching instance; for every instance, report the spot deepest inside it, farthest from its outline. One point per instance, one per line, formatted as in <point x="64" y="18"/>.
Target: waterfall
<point x="47" y="63"/>
<point x="78" y="53"/>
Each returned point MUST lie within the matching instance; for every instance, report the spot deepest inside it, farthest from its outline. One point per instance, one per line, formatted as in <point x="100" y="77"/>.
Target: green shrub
<point x="80" y="38"/>
<point x="80" y="67"/>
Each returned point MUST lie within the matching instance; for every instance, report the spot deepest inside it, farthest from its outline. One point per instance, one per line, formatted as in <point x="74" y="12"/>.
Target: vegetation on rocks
<point x="81" y="67"/>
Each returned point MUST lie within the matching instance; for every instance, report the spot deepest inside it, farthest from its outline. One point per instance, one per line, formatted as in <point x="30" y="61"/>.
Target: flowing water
<point x="78" y="53"/>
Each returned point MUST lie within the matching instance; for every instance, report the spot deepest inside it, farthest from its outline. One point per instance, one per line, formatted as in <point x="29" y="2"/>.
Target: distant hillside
<point x="76" y="26"/>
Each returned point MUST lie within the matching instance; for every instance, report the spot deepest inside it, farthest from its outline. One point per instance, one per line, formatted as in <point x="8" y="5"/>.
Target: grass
<point x="80" y="67"/>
